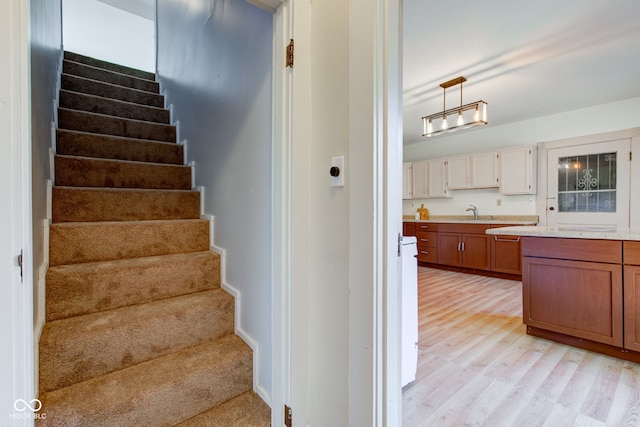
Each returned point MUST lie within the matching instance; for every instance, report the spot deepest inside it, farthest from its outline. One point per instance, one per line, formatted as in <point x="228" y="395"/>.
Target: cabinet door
<point x="577" y="298"/>
<point x="408" y="228"/>
<point x="632" y="307"/>
<point x="484" y="170"/>
<point x="449" y="249"/>
<point x="506" y="254"/>
<point x="419" y="175"/>
<point x="458" y="172"/>
<point x="437" y="178"/>
<point x="517" y="170"/>
<point x="476" y="251"/>
<point x="407" y="181"/>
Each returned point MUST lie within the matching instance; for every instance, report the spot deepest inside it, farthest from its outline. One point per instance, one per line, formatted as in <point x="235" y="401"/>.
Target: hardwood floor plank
<point x="477" y="366"/>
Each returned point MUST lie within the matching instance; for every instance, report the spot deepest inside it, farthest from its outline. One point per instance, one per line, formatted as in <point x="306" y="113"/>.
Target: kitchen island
<point x="581" y="286"/>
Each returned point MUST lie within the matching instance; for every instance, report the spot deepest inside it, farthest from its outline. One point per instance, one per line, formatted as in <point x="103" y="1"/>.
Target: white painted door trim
<point x="281" y="216"/>
<point x="16" y="293"/>
<point x="375" y="392"/>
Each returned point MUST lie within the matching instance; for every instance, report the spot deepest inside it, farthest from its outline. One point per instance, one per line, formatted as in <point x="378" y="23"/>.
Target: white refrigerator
<point x="409" y="295"/>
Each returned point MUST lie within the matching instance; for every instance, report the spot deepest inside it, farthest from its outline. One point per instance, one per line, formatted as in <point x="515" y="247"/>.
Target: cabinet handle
<point x="424" y="227"/>
<point x="500" y="239"/>
<point x="424" y="252"/>
<point x="458" y="246"/>
<point x="462" y="246"/>
<point x="424" y="240"/>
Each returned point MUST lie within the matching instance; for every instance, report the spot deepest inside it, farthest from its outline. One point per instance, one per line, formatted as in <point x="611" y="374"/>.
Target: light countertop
<point x="572" y="232"/>
<point x="482" y="219"/>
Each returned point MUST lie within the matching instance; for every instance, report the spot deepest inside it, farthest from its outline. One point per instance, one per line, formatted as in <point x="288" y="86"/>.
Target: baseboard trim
<point x="237" y="295"/>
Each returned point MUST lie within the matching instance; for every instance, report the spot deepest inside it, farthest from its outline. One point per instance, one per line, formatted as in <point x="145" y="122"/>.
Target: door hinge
<point x="630" y="155"/>
<point x="20" y="264"/>
<point x="288" y="416"/>
<point x="290" y="54"/>
<point x="399" y="245"/>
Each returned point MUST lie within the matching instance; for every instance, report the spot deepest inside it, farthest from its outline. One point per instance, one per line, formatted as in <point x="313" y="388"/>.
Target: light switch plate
<point x="338" y="181"/>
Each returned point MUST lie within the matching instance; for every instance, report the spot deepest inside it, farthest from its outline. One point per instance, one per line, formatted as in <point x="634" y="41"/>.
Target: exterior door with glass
<point x="588" y="185"/>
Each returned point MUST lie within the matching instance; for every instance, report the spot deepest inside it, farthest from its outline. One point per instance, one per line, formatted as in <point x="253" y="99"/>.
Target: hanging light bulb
<point x="445" y="125"/>
<point x="460" y="119"/>
<point x="429" y="127"/>
<point x="476" y="115"/>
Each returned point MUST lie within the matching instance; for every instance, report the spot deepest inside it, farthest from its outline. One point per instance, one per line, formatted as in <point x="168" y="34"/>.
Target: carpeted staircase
<point x="138" y="331"/>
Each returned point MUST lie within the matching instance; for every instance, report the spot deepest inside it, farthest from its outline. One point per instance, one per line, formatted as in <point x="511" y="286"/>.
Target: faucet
<point x="475" y="211"/>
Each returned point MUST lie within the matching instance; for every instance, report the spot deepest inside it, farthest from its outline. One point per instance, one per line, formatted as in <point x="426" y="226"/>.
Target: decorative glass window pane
<point x="587" y="183"/>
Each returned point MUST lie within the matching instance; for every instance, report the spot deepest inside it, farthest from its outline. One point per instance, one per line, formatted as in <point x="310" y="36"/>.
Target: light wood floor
<point x="477" y="367"/>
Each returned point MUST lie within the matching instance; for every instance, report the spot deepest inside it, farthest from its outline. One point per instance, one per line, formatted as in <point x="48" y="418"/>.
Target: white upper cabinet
<point x="484" y="169"/>
<point x="407" y="180"/>
<point x="419" y="174"/>
<point x="517" y="170"/>
<point x="458" y="173"/>
<point x="437" y="178"/>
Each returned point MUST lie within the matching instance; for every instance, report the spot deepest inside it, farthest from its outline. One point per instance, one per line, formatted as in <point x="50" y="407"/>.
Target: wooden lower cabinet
<point x="427" y="246"/>
<point x="632" y="307"/>
<point x="576" y="298"/>
<point x="506" y="254"/>
<point x="469" y="249"/>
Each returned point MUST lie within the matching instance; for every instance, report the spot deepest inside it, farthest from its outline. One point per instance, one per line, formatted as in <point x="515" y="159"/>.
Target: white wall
<point x="214" y="63"/>
<point x="46" y="45"/>
<point x="597" y="119"/>
<point x="97" y="29"/>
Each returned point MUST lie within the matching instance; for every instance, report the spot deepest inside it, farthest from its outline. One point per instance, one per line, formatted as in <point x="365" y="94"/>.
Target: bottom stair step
<point x="245" y="410"/>
<point x="160" y="392"/>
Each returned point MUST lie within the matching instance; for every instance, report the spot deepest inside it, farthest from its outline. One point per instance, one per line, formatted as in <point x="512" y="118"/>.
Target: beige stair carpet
<point x="138" y="331"/>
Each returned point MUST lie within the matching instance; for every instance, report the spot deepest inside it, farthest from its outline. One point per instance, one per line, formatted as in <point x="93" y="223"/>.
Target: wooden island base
<point x="609" y="350"/>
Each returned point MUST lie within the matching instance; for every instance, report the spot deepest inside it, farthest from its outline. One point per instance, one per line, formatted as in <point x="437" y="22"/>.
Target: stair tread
<point x="84" y="59"/>
<point x="73" y="349"/>
<point x="248" y="409"/>
<point x="121" y="161"/>
<point x="113" y="103"/>
<point x="117" y="137"/>
<point x="116" y="117"/>
<point x="80" y="242"/>
<point x="123" y="190"/>
<point x="76" y="289"/>
<point x="167" y="390"/>
<point x="78" y="68"/>
<point x="112" y="86"/>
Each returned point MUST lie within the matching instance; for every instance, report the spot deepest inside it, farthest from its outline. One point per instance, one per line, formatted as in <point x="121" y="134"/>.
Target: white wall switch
<point x="337" y="171"/>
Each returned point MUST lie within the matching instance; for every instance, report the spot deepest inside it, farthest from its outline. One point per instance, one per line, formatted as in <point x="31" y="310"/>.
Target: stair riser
<point x="209" y="376"/>
<point x="106" y="76"/>
<point x="102" y="124"/>
<point x="106" y="90"/>
<point x="89" y="288"/>
<point x="74" y="243"/>
<point x="112" y="107"/>
<point x="108" y="66"/>
<point x="73" y="350"/>
<point x="85" y="205"/>
<point x="87" y="172"/>
<point x="112" y="147"/>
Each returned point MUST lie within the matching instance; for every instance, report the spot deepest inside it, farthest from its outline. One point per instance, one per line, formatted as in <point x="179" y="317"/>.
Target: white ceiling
<point x="525" y="58"/>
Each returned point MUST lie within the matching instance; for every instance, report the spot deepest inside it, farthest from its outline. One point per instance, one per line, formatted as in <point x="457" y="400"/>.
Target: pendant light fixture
<point x="467" y="116"/>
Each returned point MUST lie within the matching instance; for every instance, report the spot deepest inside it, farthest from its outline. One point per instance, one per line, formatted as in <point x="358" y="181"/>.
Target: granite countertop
<point x="570" y="232"/>
<point x="482" y="219"/>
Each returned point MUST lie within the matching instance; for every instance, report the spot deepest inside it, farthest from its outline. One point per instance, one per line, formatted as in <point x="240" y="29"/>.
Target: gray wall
<point x="214" y="62"/>
<point x="46" y="41"/>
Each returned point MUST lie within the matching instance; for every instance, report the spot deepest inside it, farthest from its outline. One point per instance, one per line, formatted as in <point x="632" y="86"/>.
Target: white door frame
<point x="16" y="293"/>
<point x="375" y="73"/>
